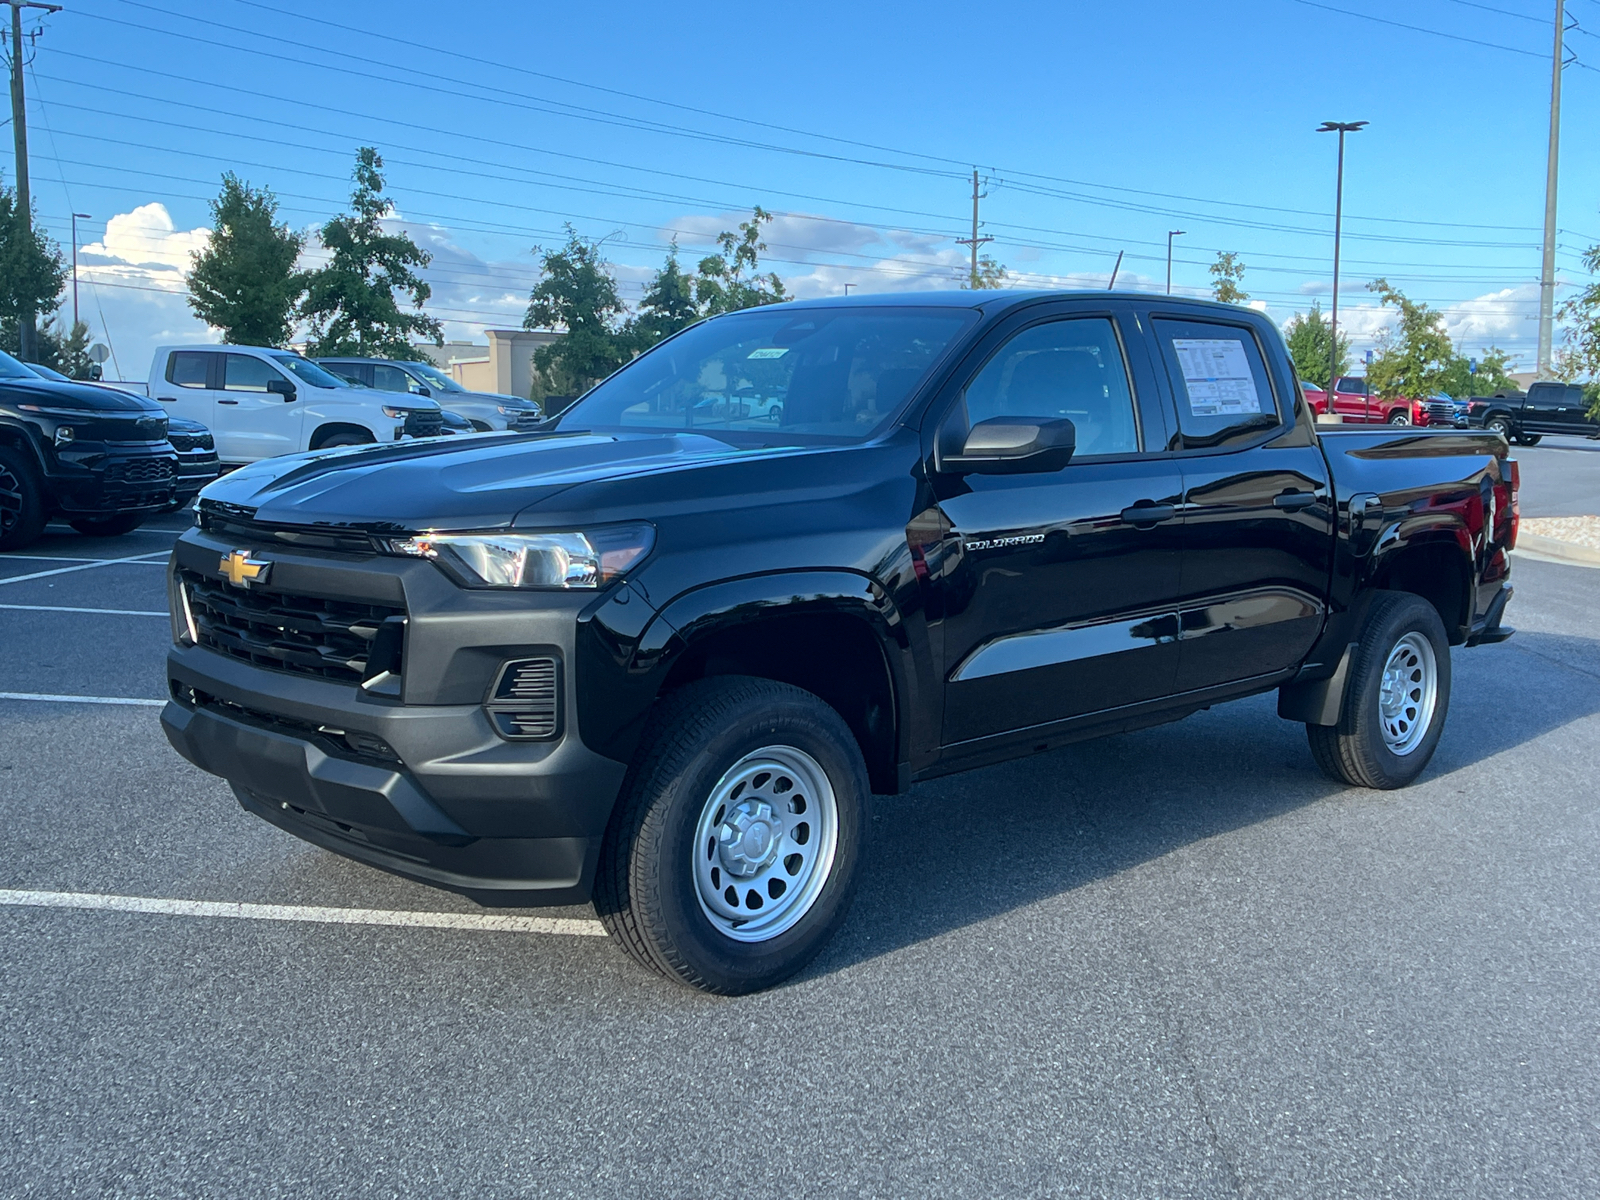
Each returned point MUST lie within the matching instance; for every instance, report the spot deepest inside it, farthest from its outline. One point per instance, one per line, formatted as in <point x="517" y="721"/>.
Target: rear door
<point x="1257" y="509"/>
<point x="258" y="423"/>
<point x="1057" y="589"/>
<point x="188" y="385"/>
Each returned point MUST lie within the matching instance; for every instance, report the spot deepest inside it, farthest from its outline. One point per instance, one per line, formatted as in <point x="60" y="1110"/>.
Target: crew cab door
<point x="188" y="385"/>
<point x="253" y="422"/>
<point x="1056" y="590"/>
<point x="1258" y="514"/>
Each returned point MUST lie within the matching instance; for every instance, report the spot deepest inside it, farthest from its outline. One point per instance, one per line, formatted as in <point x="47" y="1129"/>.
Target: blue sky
<point x="1096" y="128"/>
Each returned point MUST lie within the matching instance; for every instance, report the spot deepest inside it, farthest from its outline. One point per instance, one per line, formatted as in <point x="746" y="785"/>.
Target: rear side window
<point x="189" y="368"/>
<point x="246" y="374"/>
<point x="1220" y="382"/>
<point x="350" y="372"/>
<point x="390" y="379"/>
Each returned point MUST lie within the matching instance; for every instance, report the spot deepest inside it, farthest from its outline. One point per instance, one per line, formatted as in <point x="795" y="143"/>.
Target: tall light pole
<point x="1341" y="128"/>
<point x="1171" y="233"/>
<point x="1547" y="271"/>
<point x="76" y="217"/>
<point x="27" y="330"/>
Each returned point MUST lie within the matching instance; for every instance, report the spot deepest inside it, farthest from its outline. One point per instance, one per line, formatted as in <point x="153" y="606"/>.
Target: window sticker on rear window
<point x="1217" y="376"/>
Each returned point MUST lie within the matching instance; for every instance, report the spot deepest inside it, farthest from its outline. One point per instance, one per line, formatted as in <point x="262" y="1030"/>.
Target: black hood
<point x="77" y="397"/>
<point x="446" y="485"/>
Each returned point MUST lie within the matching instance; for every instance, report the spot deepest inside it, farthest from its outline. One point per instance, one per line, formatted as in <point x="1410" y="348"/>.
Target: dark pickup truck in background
<point x="659" y="654"/>
<point x="1525" y="417"/>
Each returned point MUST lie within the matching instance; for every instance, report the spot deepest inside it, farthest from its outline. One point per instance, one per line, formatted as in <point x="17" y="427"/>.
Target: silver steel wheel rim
<point x="1407" y="693"/>
<point x="764" y="844"/>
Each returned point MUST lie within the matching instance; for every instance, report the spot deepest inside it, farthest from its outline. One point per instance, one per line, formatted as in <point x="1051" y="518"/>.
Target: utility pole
<point x="27" y="334"/>
<point x="76" y="217"/>
<point x="1341" y="128"/>
<point x="1171" y="233"/>
<point x="974" y="241"/>
<point x="1547" y="272"/>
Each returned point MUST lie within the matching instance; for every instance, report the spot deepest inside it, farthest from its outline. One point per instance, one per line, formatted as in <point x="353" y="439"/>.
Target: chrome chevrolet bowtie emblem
<point x="239" y="569"/>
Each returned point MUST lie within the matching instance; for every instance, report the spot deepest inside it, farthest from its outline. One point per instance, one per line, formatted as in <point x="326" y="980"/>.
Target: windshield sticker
<point x="769" y="352"/>
<point x="1217" y="376"/>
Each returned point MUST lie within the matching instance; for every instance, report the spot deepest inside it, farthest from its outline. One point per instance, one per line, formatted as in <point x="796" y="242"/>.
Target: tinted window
<point x="10" y="368"/>
<point x="356" y="373"/>
<point x="189" y="368"/>
<point x="802" y="374"/>
<point x="1219" y="380"/>
<point x="1070" y="369"/>
<point x="390" y="379"/>
<point x="308" y="372"/>
<point x="241" y="373"/>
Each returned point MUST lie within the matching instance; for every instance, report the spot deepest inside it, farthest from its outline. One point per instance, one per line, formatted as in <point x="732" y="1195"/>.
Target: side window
<point x="390" y="379"/>
<point x="242" y="373"/>
<point x="189" y="368"/>
<point x="1071" y="368"/>
<point x="349" y="372"/>
<point x="1220" y="380"/>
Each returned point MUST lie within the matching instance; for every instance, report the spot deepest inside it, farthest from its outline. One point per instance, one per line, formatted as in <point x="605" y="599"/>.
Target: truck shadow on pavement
<point x="957" y="851"/>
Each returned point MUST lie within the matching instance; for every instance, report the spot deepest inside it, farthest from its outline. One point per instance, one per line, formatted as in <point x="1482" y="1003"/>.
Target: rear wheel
<point x="1396" y="698"/>
<point x="22" y="507"/>
<point x="1499" y="425"/>
<point x="109" y="526"/>
<point x="733" y="855"/>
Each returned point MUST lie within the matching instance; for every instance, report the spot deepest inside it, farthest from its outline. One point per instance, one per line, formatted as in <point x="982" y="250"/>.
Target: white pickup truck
<point x="261" y="402"/>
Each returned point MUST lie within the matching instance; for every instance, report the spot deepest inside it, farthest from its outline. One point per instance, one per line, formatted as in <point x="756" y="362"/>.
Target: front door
<point x="1057" y="593"/>
<point x="253" y="422"/>
<point x="1257" y="509"/>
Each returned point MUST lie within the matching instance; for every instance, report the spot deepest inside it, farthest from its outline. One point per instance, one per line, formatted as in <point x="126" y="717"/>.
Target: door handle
<point x="1294" y="500"/>
<point x="227" y="402"/>
<point x="1147" y="516"/>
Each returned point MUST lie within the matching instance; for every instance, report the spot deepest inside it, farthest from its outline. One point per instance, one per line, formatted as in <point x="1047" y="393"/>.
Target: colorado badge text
<point x="239" y="569"/>
<point x="1021" y="539"/>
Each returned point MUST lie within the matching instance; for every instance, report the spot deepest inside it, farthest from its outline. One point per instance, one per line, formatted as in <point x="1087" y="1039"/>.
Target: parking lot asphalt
<point x="1174" y="963"/>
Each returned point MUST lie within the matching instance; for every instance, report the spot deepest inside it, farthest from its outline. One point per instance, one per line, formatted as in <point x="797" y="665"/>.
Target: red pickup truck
<point x="1352" y="402"/>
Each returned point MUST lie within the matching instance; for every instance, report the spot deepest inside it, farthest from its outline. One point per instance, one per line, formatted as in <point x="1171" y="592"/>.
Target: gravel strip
<point x="1580" y="531"/>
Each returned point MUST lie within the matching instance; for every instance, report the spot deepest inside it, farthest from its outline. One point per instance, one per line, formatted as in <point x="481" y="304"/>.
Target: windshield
<point x="308" y="372"/>
<point x="435" y="377"/>
<point x="10" y="368"/>
<point x="44" y="372"/>
<point x="807" y="374"/>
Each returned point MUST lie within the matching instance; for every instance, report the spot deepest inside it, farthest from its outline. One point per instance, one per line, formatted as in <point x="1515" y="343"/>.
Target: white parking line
<point x="83" y="699"/>
<point x="112" y="612"/>
<point x="565" y="926"/>
<point x="88" y="566"/>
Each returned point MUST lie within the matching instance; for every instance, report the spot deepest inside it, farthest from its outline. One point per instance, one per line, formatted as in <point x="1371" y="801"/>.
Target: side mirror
<point x="1015" y="445"/>
<point x="281" y="387"/>
<point x="421" y="389"/>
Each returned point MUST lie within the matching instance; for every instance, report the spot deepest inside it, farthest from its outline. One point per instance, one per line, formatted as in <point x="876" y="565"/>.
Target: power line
<point x="1455" y="37"/>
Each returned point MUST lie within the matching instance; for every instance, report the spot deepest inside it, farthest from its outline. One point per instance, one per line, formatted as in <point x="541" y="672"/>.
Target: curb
<point x="1549" y="549"/>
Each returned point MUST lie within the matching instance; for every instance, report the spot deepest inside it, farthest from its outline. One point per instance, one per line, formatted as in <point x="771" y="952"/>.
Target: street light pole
<point x="75" y="218"/>
<point x="1171" y="233"/>
<point x="27" y="329"/>
<point x="1341" y="128"/>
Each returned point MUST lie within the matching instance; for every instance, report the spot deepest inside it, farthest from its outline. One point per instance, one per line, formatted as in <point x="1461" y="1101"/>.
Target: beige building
<point x="504" y="365"/>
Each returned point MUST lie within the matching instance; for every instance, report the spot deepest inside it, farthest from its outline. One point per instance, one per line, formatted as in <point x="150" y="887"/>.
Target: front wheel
<point x="109" y="526"/>
<point x="1396" y="697"/>
<point x="733" y="855"/>
<point x="1400" y="417"/>
<point x="23" y="511"/>
<point x="346" y="439"/>
<point x="1530" y="439"/>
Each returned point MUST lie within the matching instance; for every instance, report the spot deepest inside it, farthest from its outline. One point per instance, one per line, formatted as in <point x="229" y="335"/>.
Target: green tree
<point x="1413" y="358"/>
<point x="1310" y="340"/>
<point x="1580" y="353"/>
<point x="668" y="304"/>
<point x="66" y="350"/>
<point x="1490" y="377"/>
<point x="244" y="282"/>
<point x="32" y="273"/>
<point x="350" y="303"/>
<point x="577" y="294"/>
<point x="729" y="281"/>
<point x="990" y="275"/>
<point x="1226" y="274"/>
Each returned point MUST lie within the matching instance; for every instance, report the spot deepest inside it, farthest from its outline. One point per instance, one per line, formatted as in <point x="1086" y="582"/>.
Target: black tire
<point x="482" y="427"/>
<point x="23" y="511"/>
<point x="646" y="890"/>
<point x="1499" y="425"/>
<point x="108" y="526"/>
<point x="346" y="439"/>
<point x="1530" y="439"/>
<point x="1355" y="751"/>
<point x="1400" y="417"/>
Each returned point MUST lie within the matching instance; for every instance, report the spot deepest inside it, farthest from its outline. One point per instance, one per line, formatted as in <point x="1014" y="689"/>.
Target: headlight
<point x="590" y="559"/>
<point x="396" y="414"/>
<point x="513" y="410"/>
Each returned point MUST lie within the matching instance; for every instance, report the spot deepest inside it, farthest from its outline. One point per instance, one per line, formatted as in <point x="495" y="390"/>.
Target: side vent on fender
<point x="525" y="702"/>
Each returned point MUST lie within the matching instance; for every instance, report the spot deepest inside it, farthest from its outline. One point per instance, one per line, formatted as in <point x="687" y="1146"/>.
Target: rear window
<point x="1220" y="382"/>
<point x="803" y="375"/>
<point x="189" y="368"/>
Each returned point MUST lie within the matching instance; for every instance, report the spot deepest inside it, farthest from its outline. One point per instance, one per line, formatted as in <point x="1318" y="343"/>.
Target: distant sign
<point x="98" y="352"/>
<point x="1369" y="357"/>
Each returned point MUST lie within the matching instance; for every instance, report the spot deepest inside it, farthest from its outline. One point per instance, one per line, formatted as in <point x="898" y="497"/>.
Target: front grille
<point x="1441" y="413"/>
<point x="306" y="635"/>
<point x="424" y="422"/>
<point x="527" y="421"/>
<point x="141" y="470"/>
<point x="235" y="524"/>
<point x="525" y="700"/>
<point x="188" y="443"/>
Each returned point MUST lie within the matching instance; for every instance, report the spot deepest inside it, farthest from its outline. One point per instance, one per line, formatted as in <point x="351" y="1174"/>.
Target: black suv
<point x="94" y="455"/>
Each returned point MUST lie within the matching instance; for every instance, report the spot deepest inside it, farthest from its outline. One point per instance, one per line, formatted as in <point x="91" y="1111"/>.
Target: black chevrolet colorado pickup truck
<point x="97" y="456"/>
<point x="660" y="653"/>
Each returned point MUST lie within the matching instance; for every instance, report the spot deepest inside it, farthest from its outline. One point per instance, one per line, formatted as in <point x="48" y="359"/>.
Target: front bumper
<point x="420" y="784"/>
<point x="96" y="482"/>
